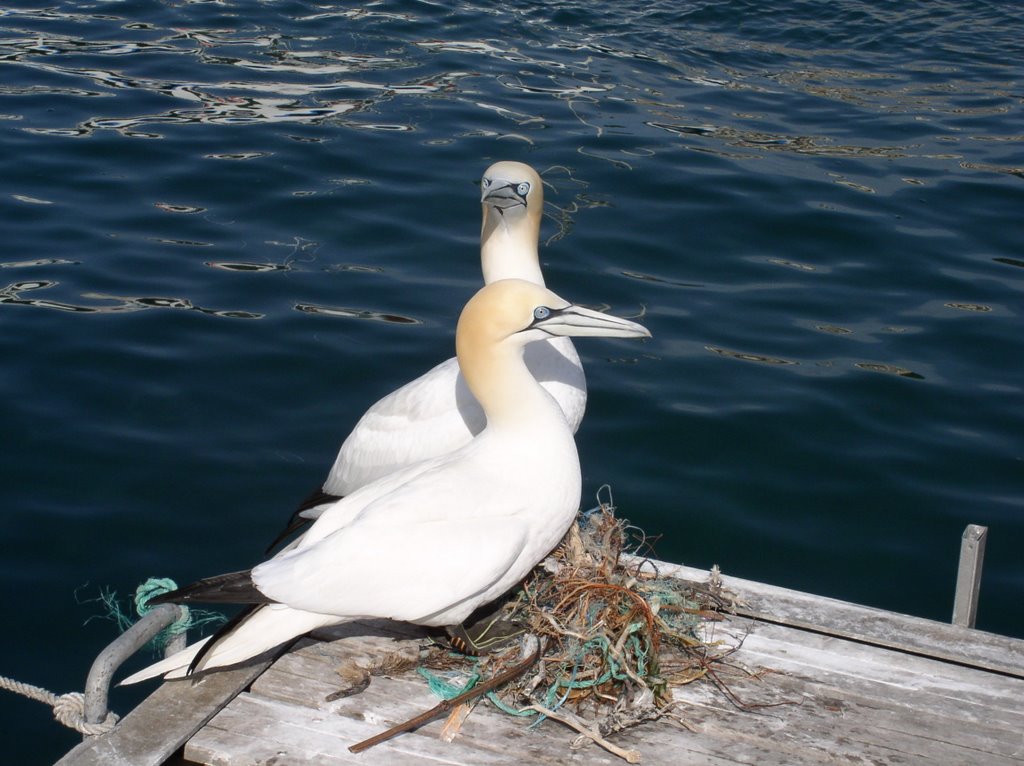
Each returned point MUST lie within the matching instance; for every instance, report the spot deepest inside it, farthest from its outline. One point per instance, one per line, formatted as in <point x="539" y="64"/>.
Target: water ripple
<point x="816" y="208"/>
<point x="347" y="313"/>
<point x="11" y="295"/>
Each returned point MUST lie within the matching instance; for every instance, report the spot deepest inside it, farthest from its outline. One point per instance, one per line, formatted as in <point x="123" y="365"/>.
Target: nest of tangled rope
<point x="615" y="636"/>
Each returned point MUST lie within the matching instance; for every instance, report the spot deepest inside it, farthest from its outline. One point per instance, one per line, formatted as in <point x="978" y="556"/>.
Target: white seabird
<point x="435" y="413"/>
<point x="432" y="542"/>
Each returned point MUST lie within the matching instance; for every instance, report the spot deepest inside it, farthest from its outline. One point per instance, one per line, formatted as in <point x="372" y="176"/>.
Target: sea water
<point x="227" y="228"/>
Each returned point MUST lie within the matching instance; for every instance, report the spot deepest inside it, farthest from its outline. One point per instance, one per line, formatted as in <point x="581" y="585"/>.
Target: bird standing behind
<point x="433" y="541"/>
<point x="436" y="413"/>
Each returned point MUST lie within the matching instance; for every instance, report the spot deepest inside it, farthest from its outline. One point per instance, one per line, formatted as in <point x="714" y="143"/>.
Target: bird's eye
<point x="541" y="312"/>
<point x="485" y="182"/>
<point x="523" y="189"/>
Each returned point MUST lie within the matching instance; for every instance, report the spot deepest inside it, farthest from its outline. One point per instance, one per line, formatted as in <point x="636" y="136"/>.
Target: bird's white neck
<point x="508" y="249"/>
<point x="510" y="396"/>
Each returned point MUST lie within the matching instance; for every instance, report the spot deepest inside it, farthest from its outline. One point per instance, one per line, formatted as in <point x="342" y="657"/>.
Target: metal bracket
<point x="97" y="686"/>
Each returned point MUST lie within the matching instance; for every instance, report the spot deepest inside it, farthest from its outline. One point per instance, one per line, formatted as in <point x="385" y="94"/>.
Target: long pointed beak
<point x="580" y="322"/>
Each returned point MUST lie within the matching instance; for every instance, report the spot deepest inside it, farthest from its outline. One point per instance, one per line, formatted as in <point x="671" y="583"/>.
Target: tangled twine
<point x="150" y="589"/>
<point x="68" y="709"/>
<point x="616" y="634"/>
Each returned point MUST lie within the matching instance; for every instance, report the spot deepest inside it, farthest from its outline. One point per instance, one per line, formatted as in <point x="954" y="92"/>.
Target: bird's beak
<point x="580" y="322"/>
<point x="502" y="196"/>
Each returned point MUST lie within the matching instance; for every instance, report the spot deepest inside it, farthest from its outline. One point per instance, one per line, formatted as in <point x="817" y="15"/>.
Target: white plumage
<point x="435" y="540"/>
<point x="435" y="413"/>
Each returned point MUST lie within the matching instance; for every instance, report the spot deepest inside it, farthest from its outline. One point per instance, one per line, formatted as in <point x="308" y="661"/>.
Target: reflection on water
<point x="970" y="307"/>
<point x="302" y="77"/>
<point x="792" y="264"/>
<point x="11" y="295"/>
<point x="169" y="208"/>
<point x="889" y="369"/>
<point x="748" y="357"/>
<point x="826" y="364"/>
<point x="249" y="266"/>
<point x="816" y="207"/>
<point x="660" y="280"/>
<point x="337" y="311"/>
<point x="37" y="262"/>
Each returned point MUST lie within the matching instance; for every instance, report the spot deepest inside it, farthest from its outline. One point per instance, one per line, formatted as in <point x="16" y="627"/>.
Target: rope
<point x="68" y="709"/>
<point x="445" y="690"/>
<point x="155" y="586"/>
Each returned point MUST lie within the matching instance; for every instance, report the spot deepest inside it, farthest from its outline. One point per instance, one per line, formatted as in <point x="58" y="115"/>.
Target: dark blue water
<point x="229" y="227"/>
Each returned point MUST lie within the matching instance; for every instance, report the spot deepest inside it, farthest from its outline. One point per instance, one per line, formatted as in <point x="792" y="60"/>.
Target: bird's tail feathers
<point x="266" y="628"/>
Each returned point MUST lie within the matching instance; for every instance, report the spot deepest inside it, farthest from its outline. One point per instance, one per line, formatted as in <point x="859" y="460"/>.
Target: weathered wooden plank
<point x="968" y="575"/>
<point x="866" y="624"/>
<point x="865" y="713"/>
<point x="915" y="682"/>
<point x="295" y="735"/>
<point x="873" y="687"/>
<point x="215" y="746"/>
<point x="163" y="721"/>
<point x="662" y="743"/>
<point x="308" y="675"/>
<point x="835" y="733"/>
<point x="256" y="731"/>
<point x="488" y="739"/>
<point x="859" y="704"/>
<point x="845" y="714"/>
<point x="854" y="708"/>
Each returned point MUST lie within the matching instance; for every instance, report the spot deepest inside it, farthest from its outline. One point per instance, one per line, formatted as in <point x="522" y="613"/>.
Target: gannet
<point x="435" y="413"/>
<point x="433" y="541"/>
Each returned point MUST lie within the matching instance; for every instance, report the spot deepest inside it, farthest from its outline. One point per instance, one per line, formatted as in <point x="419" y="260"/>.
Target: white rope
<point x="68" y="709"/>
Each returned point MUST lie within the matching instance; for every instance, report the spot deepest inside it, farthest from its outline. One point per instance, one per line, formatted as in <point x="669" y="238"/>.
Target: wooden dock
<point x="857" y="686"/>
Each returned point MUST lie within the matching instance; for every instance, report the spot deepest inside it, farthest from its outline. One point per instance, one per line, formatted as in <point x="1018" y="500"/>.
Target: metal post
<point x="968" y="576"/>
<point x="176" y="643"/>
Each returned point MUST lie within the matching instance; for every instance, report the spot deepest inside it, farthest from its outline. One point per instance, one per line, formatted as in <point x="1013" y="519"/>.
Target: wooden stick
<point x="572" y="721"/>
<point x="445" y="706"/>
<point x="968" y="576"/>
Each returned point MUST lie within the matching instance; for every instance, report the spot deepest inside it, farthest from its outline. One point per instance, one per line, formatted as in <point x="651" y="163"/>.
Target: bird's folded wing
<point x="406" y="571"/>
<point x="429" y="416"/>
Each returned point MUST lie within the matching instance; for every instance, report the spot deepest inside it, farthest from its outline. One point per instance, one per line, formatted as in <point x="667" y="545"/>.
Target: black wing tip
<point x="315" y="498"/>
<point x="297" y="521"/>
<point x="231" y="588"/>
<point x="171" y="597"/>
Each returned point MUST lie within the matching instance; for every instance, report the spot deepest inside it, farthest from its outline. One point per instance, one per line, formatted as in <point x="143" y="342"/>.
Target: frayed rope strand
<point x="150" y="589"/>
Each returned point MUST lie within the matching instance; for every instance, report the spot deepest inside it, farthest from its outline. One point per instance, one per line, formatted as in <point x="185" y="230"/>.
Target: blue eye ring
<point x="541" y="312"/>
<point x="485" y="182"/>
<point x="523" y="189"/>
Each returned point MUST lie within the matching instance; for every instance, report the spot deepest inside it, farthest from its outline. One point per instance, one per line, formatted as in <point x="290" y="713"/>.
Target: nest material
<point x="615" y="634"/>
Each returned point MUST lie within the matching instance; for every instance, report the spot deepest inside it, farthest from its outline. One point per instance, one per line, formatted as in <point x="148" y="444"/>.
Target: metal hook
<point x="97" y="685"/>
